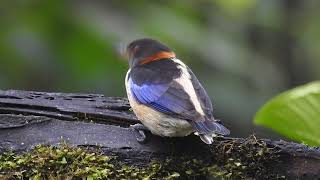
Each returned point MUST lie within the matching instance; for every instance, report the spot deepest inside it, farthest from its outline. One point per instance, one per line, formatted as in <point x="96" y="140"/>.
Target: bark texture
<point x="31" y="118"/>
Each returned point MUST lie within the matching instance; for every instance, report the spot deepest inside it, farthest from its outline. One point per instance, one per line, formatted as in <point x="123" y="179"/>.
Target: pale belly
<point x="159" y="123"/>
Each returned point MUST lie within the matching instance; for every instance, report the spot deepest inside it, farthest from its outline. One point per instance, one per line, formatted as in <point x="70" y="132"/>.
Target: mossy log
<point x="98" y="122"/>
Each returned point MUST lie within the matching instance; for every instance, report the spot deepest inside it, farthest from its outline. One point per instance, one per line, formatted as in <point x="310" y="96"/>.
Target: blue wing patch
<point x="162" y="97"/>
<point x="148" y="94"/>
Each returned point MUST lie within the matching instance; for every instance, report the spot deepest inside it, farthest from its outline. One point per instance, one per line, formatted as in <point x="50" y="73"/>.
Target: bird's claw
<point x="140" y="132"/>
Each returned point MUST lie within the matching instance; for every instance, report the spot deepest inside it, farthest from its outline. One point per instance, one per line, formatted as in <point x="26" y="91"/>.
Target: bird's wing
<point x="202" y="95"/>
<point x="209" y="125"/>
<point x="176" y="92"/>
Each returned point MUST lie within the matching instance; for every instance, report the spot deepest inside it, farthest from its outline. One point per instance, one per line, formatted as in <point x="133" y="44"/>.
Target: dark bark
<point x="31" y="118"/>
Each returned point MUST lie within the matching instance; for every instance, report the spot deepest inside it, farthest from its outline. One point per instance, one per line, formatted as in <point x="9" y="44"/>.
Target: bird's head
<point x="144" y="51"/>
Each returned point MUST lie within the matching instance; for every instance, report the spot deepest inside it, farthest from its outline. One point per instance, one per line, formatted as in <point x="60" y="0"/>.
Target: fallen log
<point x="98" y="122"/>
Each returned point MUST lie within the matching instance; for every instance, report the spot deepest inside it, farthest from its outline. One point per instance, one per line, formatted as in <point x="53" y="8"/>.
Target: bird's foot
<point x="140" y="130"/>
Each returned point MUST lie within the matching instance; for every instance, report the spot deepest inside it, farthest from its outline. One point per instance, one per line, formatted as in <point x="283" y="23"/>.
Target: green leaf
<point x="294" y="114"/>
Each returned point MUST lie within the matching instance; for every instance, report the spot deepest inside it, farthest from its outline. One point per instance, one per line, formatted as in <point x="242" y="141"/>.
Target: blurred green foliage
<point x="243" y="51"/>
<point x="294" y="113"/>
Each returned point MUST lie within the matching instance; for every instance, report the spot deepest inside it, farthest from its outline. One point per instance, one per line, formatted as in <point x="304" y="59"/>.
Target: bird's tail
<point x="208" y="129"/>
<point x="206" y="138"/>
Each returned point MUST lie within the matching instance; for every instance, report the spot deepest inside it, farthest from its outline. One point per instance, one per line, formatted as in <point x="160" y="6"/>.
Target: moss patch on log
<point x="65" y="162"/>
<point x="246" y="158"/>
<point x="232" y="159"/>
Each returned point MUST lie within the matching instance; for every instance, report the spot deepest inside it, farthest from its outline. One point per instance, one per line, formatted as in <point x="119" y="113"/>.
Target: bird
<point x="166" y="96"/>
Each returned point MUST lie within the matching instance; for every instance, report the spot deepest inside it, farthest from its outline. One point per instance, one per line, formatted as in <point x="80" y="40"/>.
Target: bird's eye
<point x="135" y="49"/>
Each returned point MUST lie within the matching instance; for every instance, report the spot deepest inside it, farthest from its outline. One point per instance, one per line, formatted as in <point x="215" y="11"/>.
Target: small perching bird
<point x="166" y="96"/>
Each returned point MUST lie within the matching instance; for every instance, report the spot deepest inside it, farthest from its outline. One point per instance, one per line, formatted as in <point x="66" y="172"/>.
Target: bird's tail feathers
<point x="206" y="138"/>
<point x="209" y="127"/>
<point x="206" y="130"/>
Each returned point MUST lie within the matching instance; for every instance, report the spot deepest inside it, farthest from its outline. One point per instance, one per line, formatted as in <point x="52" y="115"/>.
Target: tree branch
<point x="31" y="118"/>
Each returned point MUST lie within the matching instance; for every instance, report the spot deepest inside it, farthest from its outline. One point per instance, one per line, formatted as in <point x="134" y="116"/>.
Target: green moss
<point x="65" y="162"/>
<point x="232" y="159"/>
<point x="48" y="161"/>
<point x="243" y="158"/>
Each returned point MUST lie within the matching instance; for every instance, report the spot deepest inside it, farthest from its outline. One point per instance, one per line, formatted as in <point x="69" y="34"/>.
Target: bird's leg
<point x="140" y="130"/>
